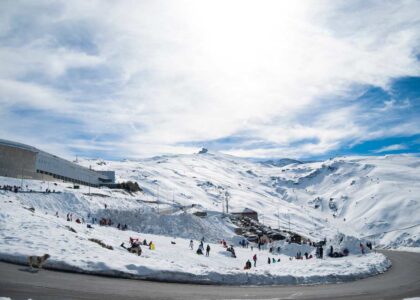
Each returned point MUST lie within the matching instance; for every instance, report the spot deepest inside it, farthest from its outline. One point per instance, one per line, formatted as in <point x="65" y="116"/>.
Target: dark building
<point x="247" y="212"/>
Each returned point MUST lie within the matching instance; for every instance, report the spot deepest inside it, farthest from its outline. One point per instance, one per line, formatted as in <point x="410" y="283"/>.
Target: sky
<point x="258" y="79"/>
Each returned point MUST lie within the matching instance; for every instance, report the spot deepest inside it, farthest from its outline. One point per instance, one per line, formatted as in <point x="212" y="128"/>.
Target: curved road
<point x="401" y="281"/>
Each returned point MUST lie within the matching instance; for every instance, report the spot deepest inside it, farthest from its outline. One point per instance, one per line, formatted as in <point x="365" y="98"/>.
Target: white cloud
<point x="389" y="148"/>
<point x="188" y="71"/>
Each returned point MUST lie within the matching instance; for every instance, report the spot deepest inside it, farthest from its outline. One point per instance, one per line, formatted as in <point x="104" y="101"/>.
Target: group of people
<point x="105" y="222"/>
<point x="122" y="227"/>
<point x="70" y="218"/>
<point x="248" y="263"/>
<point x="306" y="254"/>
<point x="200" y="250"/>
<point x="135" y="245"/>
<point x="11" y="188"/>
<point x="272" y="260"/>
<point x="344" y="252"/>
<point x="244" y="243"/>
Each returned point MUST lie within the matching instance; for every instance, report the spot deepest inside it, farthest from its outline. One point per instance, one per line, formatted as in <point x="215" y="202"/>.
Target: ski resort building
<point x="247" y="212"/>
<point x="24" y="161"/>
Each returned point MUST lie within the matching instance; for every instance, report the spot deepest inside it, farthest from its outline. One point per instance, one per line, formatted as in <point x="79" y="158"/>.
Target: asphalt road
<point x="16" y="282"/>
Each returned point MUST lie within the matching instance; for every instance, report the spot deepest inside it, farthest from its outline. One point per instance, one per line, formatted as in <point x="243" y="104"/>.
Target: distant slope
<point x="364" y="196"/>
<point x="280" y="162"/>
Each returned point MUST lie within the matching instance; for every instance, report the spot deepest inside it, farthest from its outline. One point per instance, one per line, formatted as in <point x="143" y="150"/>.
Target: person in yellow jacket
<point x="152" y="246"/>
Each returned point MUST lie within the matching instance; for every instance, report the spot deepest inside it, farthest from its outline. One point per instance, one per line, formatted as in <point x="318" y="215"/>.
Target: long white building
<point x="24" y="161"/>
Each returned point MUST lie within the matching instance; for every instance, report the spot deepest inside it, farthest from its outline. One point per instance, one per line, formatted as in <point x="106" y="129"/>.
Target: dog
<point x="37" y="261"/>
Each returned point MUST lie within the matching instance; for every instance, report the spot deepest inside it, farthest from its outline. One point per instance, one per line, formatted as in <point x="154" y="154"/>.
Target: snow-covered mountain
<point x="372" y="197"/>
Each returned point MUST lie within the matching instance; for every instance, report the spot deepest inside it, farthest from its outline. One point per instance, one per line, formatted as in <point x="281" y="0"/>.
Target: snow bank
<point x="24" y="233"/>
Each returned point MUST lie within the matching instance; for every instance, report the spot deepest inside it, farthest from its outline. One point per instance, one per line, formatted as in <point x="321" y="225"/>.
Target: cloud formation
<point x="389" y="148"/>
<point x="139" y="78"/>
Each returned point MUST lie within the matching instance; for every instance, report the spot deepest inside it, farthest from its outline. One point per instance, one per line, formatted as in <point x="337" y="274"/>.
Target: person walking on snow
<point x="191" y="244"/>
<point x="255" y="260"/>
<point x="208" y="250"/>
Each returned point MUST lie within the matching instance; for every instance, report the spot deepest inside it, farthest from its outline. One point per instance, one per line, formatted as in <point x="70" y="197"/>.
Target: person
<point x="321" y="252"/>
<point x="231" y="250"/>
<point x="144" y="242"/>
<point x="362" y="248"/>
<point x="254" y="258"/>
<point x="269" y="261"/>
<point x="331" y="251"/>
<point x="306" y="255"/>
<point x="191" y="244"/>
<point x="208" y="250"/>
<point x="78" y="221"/>
<point x="200" y="250"/>
<point x="247" y="265"/>
<point x="224" y="243"/>
<point x="152" y="246"/>
<point x="274" y="260"/>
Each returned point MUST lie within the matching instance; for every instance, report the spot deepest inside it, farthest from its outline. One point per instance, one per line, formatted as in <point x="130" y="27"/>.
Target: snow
<point x="375" y="198"/>
<point x="29" y="227"/>
<point x="343" y="200"/>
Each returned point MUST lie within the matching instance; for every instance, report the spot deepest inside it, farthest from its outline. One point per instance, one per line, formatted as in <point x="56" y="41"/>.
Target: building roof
<point x="246" y="210"/>
<point x="18" y="145"/>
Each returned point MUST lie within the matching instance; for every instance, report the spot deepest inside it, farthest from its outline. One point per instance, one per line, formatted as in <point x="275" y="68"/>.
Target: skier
<point x="208" y="250"/>
<point x="269" y="261"/>
<point x="191" y="244"/>
<point x="255" y="260"/>
<point x="362" y="248"/>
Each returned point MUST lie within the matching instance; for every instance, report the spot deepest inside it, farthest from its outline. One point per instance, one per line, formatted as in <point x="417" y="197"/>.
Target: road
<point x="16" y="282"/>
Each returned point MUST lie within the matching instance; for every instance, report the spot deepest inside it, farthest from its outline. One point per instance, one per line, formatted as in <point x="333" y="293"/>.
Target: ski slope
<point x="373" y="197"/>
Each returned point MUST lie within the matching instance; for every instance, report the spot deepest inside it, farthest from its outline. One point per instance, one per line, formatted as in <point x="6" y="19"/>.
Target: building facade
<point x="24" y="161"/>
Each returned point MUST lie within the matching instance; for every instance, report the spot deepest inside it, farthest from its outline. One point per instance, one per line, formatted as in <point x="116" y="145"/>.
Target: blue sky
<point x="305" y="80"/>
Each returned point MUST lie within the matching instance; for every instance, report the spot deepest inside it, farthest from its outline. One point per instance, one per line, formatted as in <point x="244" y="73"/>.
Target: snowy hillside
<point x="344" y="201"/>
<point x="34" y="223"/>
<point x="372" y="197"/>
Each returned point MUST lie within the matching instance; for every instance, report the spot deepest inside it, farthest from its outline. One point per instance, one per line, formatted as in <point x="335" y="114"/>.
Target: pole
<point x="157" y="200"/>
<point x="21" y="182"/>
